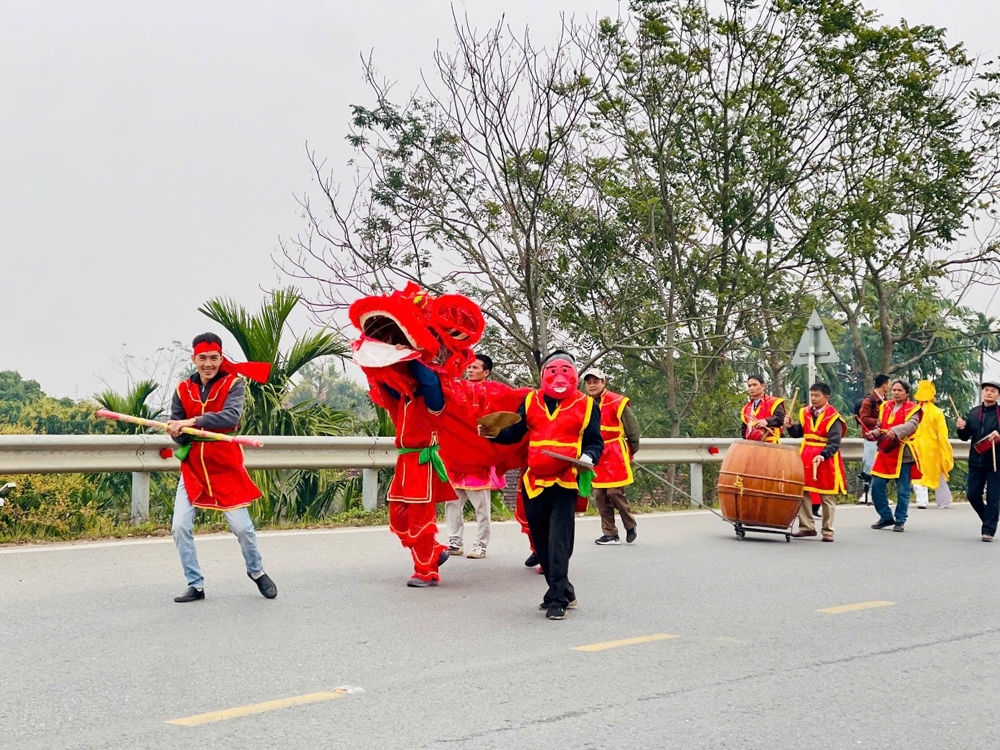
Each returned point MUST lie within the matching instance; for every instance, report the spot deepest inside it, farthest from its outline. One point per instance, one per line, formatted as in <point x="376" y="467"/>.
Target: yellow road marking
<point x="257" y="708"/>
<point x="626" y="642"/>
<point x="854" y="607"/>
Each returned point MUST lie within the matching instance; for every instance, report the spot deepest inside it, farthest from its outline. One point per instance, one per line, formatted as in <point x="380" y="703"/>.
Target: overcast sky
<point x="150" y="152"/>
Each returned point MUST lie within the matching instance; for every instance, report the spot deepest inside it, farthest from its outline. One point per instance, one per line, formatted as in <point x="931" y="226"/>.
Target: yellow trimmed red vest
<point x="830" y="474"/>
<point x="615" y="467"/>
<point x="888" y="465"/>
<point x="559" y="432"/>
<point x="765" y="410"/>
<point x="213" y="471"/>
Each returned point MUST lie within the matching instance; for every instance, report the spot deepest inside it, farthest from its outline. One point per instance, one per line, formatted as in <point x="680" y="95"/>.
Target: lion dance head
<point x="412" y="323"/>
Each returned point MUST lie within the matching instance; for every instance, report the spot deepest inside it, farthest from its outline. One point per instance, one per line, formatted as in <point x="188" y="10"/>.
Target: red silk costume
<point x="615" y="467"/>
<point x="830" y="474"/>
<point x="213" y="471"/>
<point x="440" y="332"/>
<point x="765" y="410"/>
<point x="889" y="464"/>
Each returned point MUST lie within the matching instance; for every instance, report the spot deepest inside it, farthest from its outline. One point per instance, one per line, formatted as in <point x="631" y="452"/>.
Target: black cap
<point x="560" y="354"/>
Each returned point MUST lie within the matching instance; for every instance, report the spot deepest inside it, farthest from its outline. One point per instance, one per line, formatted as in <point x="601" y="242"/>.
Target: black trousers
<point x="981" y="478"/>
<point x="552" y="520"/>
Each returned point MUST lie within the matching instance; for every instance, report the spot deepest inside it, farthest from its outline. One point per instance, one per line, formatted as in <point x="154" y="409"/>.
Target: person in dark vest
<point x="613" y="474"/>
<point x="866" y="414"/>
<point x="557" y="418"/>
<point x="982" y="427"/>
<point x="212" y="472"/>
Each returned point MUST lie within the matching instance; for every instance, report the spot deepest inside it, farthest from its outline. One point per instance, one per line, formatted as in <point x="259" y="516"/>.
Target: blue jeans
<point x="880" y="497"/>
<point x="183" y="530"/>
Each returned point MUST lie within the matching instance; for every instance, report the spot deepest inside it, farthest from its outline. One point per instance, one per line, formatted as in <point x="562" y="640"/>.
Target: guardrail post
<point x="140" y="497"/>
<point x="697" y="484"/>
<point x="369" y="488"/>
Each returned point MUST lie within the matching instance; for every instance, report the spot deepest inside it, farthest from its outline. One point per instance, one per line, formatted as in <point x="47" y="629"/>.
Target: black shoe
<point x="191" y="595"/>
<point x="882" y="523"/>
<point x="265" y="585"/>
<point x="532" y="561"/>
<point x="630" y="535"/>
<point x="608" y="540"/>
<point x="897" y="527"/>
<point x="443" y="557"/>
<point x="544" y="607"/>
<point x="556" y="613"/>
<point x="420" y="583"/>
<point x="816" y="511"/>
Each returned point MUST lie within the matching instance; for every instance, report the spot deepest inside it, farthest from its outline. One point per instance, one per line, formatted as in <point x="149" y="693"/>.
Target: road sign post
<point x="815" y="347"/>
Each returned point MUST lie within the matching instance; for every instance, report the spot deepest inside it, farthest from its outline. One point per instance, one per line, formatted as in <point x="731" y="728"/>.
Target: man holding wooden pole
<point x="212" y="472"/>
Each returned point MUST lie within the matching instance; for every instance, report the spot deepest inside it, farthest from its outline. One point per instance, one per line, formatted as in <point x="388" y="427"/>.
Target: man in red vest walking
<point x="613" y="474"/>
<point x="558" y="419"/>
<point x="821" y="428"/>
<point x="897" y="456"/>
<point x="212" y="472"/>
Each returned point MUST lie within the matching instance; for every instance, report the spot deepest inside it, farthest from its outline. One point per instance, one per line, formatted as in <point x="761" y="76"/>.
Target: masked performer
<point x="559" y="419"/>
<point x="413" y="348"/>
<point x="212" y="472"/>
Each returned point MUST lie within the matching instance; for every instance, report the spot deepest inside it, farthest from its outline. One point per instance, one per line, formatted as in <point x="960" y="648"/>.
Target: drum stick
<point x="993" y="450"/>
<point x="791" y="403"/>
<point x="815" y="466"/>
<point x="958" y="414"/>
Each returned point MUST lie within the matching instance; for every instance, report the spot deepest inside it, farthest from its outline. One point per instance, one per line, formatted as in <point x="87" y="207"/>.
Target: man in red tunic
<point x="821" y="428"/>
<point x="421" y="479"/>
<point x="613" y="474"/>
<point x="763" y="415"/>
<point x="897" y="456"/>
<point x="212" y="472"/>
<point x="557" y="418"/>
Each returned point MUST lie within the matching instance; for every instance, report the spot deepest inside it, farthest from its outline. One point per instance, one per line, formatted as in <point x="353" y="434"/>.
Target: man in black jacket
<point x="982" y="426"/>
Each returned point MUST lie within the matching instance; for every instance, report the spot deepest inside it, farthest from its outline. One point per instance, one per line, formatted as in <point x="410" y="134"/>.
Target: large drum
<point x="760" y="484"/>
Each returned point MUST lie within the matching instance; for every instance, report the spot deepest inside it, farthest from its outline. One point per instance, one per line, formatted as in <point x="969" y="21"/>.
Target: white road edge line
<point x="75" y="546"/>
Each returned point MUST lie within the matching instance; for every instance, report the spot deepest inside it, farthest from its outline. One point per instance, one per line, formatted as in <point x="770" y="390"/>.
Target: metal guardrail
<point x="140" y="455"/>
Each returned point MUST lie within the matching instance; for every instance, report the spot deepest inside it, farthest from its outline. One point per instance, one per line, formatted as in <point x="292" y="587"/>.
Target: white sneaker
<point x="478" y="552"/>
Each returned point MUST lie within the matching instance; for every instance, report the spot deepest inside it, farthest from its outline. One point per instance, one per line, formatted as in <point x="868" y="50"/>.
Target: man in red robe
<point x="212" y="472"/>
<point x="557" y="418"/>
<point x="613" y="474"/>
<point x="821" y="428"/>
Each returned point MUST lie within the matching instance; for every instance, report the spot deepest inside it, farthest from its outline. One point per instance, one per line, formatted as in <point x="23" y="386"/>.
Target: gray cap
<point x="992" y="383"/>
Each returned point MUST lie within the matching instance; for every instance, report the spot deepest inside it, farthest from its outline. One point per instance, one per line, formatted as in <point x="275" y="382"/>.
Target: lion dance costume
<point x="414" y="347"/>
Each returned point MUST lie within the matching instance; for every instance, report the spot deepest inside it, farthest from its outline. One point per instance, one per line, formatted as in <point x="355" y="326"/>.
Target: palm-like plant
<point x="133" y="402"/>
<point x="287" y="494"/>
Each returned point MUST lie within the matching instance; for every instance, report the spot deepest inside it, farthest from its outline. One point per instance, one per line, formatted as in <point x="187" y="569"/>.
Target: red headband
<point x="258" y="371"/>
<point x="207" y="346"/>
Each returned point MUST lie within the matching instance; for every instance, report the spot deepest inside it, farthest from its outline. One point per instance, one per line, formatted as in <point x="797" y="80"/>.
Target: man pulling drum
<point x="821" y="428"/>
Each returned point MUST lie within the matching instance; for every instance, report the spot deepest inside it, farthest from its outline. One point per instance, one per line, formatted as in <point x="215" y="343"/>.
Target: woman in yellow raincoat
<point x="931" y="443"/>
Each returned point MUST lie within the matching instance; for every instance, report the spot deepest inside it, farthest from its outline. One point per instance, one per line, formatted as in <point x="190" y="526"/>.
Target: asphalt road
<point x="95" y="654"/>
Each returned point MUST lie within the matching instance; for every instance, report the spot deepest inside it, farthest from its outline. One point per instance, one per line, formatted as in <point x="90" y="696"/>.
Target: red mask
<point x="559" y="379"/>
